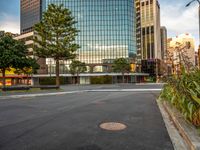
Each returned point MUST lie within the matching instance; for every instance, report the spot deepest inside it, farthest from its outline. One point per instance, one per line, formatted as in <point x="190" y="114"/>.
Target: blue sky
<point x="174" y="16"/>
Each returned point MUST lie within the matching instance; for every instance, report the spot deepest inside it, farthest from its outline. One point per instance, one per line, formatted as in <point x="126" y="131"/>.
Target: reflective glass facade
<point x="107" y="28"/>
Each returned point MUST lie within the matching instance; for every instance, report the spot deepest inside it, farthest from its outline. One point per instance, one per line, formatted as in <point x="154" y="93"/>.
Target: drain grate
<point x="89" y="147"/>
<point x="113" y="126"/>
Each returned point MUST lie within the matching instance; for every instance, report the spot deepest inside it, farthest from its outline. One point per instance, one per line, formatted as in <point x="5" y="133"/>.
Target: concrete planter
<point x="187" y="131"/>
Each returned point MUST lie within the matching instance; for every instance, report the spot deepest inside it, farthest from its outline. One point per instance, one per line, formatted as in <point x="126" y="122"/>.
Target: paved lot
<point x="71" y="122"/>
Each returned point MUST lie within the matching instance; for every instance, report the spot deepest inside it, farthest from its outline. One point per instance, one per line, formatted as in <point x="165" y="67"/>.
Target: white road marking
<point x="124" y="90"/>
<point x="81" y="91"/>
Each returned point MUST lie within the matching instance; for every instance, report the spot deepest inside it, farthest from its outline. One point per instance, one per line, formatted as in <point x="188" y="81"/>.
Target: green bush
<point x="51" y="81"/>
<point x="184" y="93"/>
<point x="101" y="80"/>
<point x="151" y="79"/>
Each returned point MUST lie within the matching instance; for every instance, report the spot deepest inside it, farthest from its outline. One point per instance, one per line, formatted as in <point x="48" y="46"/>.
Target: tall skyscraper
<point x="148" y="35"/>
<point x="30" y="14"/>
<point x="163" y="43"/>
<point x="107" y="27"/>
<point x="138" y="31"/>
<point x="150" y="29"/>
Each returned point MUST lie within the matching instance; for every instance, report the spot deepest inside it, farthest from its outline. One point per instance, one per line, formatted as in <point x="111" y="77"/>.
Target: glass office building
<point x="107" y="28"/>
<point x="30" y="14"/>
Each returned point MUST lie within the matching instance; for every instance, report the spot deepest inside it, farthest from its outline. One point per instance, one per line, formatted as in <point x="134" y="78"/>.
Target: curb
<point x="176" y="138"/>
<point x="187" y="131"/>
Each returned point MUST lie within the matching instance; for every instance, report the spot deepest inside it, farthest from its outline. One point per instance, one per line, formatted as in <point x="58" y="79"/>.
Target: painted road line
<point x="39" y="95"/>
<point x="125" y="90"/>
<point x="81" y="91"/>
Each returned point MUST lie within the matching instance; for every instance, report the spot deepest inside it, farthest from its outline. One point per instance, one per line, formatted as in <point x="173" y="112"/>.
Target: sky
<point x="174" y="16"/>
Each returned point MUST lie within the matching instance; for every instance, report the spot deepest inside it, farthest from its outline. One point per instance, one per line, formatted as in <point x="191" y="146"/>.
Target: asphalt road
<point x="71" y="122"/>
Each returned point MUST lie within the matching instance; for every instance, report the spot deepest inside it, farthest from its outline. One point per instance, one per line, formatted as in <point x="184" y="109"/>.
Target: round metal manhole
<point x="89" y="147"/>
<point x="113" y="126"/>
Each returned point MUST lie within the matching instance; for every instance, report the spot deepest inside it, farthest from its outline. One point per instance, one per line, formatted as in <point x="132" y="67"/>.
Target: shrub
<point x="101" y="80"/>
<point x="184" y="93"/>
<point x="51" y="81"/>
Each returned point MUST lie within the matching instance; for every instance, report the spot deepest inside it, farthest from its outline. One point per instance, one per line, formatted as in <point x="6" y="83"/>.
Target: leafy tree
<point x="28" y="66"/>
<point x="121" y="65"/>
<point x="13" y="54"/>
<point x="55" y="36"/>
<point x="77" y="67"/>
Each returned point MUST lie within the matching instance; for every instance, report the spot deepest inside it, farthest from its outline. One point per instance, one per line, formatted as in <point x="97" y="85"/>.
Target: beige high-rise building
<point x="138" y="31"/>
<point x="148" y="35"/>
<point x="150" y="28"/>
<point x="169" y="60"/>
<point x="187" y="42"/>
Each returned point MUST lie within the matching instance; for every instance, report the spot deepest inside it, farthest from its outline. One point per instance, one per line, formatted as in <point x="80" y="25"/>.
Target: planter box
<point x="186" y="130"/>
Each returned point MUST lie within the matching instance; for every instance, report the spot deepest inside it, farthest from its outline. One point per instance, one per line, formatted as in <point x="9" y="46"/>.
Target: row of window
<point x="147" y="2"/>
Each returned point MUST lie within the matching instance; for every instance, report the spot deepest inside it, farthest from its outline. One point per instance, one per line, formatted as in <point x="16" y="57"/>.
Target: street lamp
<point x="199" y="25"/>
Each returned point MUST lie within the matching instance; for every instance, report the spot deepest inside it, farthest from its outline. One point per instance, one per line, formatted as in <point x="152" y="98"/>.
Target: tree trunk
<point x="4" y="77"/>
<point x="57" y="73"/>
<point x="122" y="77"/>
<point x="27" y="81"/>
<point x="73" y="79"/>
<point x="78" y="80"/>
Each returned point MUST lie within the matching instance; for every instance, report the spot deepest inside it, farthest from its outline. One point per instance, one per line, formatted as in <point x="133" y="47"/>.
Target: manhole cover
<point x="89" y="147"/>
<point x="113" y="126"/>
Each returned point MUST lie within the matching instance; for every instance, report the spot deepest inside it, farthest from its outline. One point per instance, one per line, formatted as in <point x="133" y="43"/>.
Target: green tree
<point x="121" y="65"/>
<point x="28" y="66"/>
<point x="77" y="67"/>
<point x="55" y="36"/>
<point x="13" y="54"/>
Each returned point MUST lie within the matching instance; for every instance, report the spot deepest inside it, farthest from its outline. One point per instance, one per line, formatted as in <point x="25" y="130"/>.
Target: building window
<point x="142" y="3"/>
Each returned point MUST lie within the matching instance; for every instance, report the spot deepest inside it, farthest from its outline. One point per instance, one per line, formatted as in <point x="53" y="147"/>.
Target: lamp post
<point x="199" y="25"/>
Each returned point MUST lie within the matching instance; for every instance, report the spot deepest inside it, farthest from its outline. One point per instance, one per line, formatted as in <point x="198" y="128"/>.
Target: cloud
<point x="9" y="23"/>
<point x="179" y="19"/>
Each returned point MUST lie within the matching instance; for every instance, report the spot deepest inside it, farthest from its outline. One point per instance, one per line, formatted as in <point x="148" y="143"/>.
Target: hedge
<point x="101" y="80"/>
<point x="52" y="81"/>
